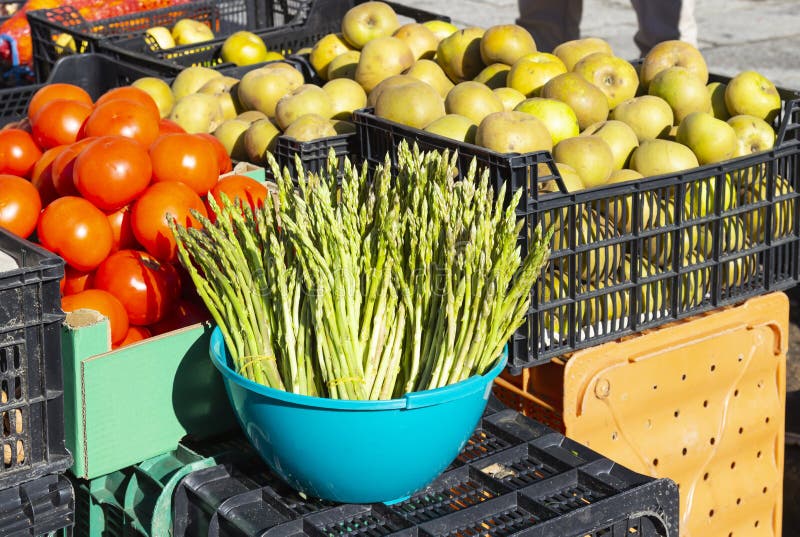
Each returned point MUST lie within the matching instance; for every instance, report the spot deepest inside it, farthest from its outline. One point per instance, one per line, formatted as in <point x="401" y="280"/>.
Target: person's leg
<point x="551" y="22"/>
<point x="663" y="20"/>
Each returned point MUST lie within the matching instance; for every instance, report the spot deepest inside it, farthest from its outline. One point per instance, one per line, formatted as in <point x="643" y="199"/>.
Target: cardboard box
<point x="124" y="406"/>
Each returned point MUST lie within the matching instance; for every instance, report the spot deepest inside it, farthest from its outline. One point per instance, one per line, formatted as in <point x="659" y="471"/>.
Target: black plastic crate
<point x="95" y="73"/>
<point x="45" y="506"/>
<point x="31" y="384"/>
<point x="224" y="17"/>
<point x="618" y="263"/>
<point x="535" y="483"/>
<point x="316" y="19"/>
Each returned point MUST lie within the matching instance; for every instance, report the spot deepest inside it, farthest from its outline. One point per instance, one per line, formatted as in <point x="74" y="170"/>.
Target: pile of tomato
<point x="97" y="183"/>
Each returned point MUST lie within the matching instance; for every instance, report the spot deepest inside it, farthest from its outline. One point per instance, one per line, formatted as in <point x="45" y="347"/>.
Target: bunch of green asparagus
<point x="369" y="288"/>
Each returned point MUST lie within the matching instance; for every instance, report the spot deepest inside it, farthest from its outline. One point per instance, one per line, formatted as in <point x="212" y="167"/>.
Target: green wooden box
<point x="124" y="406"/>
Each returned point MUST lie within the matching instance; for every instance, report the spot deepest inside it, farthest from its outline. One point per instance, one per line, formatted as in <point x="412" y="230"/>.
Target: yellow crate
<point x="701" y="401"/>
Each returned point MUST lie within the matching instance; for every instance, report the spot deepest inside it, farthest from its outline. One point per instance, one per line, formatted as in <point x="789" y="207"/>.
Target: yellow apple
<point x="160" y="35"/>
<point x="711" y="139"/>
<point x="381" y="58"/>
<point x="324" y="51"/>
<point x="718" y="107"/>
<point x="428" y="71"/>
<point x="531" y="72"/>
<point x="244" y="48"/>
<point x="189" y="32"/>
<point x="159" y="91"/>
<point x="753" y="94"/>
<point x="513" y="132"/>
<point x="472" y="100"/>
<point x="620" y="139"/>
<point x="459" y="54"/>
<point x="419" y="38"/>
<point x="753" y="135"/>
<point x="571" y="52"/>
<point x="614" y="76"/>
<point x="344" y="65"/>
<point x="673" y="53"/>
<point x="510" y="97"/>
<point x="683" y="90"/>
<point x="586" y="100"/>
<point x="440" y="28"/>
<point x="650" y="117"/>
<point x="590" y="156"/>
<point x="494" y="75"/>
<point x="416" y="104"/>
<point x="346" y="96"/>
<point x="558" y="117"/>
<point x="657" y="157"/>
<point x="454" y="126"/>
<point x="370" y="20"/>
<point x="506" y="43"/>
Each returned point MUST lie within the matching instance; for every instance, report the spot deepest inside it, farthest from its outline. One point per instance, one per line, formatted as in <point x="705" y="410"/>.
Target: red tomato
<point x="103" y="302"/>
<point x="225" y="164"/>
<point x="75" y="281"/>
<point x="63" y="166"/>
<point x="42" y="175"/>
<point x="165" y="126"/>
<point x="185" y="314"/>
<point x="112" y="172"/>
<point x="134" y="335"/>
<point x="120" y="221"/>
<point x="58" y="122"/>
<point x="77" y="231"/>
<point x="123" y="117"/>
<point x="239" y="187"/>
<point x="146" y="287"/>
<point x="20" y="205"/>
<point x="187" y="159"/>
<point x="51" y="92"/>
<point x="152" y="212"/>
<point x="134" y="94"/>
<point x="18" y="152"/>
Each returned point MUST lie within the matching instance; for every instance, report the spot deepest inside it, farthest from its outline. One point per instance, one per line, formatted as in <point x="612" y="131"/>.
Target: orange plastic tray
<point x="700" y="401"/>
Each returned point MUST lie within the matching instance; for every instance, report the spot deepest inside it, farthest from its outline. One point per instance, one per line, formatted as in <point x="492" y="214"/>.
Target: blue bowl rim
<point x="220" y="358"/>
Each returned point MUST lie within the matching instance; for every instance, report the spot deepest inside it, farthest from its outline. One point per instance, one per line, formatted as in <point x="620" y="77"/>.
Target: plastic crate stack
<point x="514" y="477"/>
<point x="35" y="497"/>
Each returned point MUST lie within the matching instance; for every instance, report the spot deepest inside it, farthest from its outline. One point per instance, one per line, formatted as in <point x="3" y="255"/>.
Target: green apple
<point x="370" y="20"/>
<point x="231" y="134"/>
<point x="782" y="211"/>
<point x="650" y="117"/>
<point x="440" y="28"/>
<point x="711" y="139"/>
<point x="558" y="117"/>
<point x="428" y="71"/>
<point x="620" y="139"/>
<point x="473" y="100"/>
<point x="506" y="43"/>
<point x="310" y="127"/>
<point x="683" y="90"/>
<point x="700" y="197"/>
<point x="753" y="94"/>
<point x="590" y="156"/>
<point x="614" y="76"/>
<point x="572" y="181"/>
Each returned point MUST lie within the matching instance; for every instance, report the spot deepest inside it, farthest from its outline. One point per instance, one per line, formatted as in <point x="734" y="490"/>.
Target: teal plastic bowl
<point x="356" y="451"/>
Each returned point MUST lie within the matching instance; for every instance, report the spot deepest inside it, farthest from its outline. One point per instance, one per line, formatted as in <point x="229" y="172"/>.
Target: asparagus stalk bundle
<point x="380" y="285"/>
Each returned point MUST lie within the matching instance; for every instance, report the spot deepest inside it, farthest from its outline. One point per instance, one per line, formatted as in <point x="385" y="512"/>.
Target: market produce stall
<point x="299" y="245"/>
